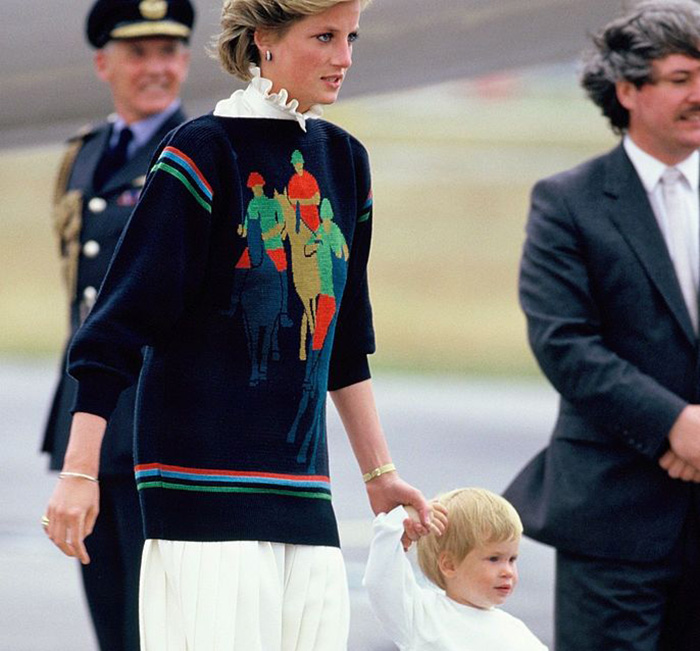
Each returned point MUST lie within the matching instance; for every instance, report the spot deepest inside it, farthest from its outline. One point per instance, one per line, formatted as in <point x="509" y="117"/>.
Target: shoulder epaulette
<point x="84" y="132"/>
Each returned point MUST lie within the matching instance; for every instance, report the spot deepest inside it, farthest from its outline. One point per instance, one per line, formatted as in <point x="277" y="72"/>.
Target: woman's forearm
<point x="358" y="412"/>
<point x="84" y="444"/>
<point x="356" y="406"/>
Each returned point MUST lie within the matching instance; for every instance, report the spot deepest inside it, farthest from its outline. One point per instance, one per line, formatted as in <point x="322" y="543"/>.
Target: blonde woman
<point x="216" y="280"/>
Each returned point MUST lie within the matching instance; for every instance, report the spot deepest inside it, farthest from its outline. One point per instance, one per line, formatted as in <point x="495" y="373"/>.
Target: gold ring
<point x="44" y="521"/>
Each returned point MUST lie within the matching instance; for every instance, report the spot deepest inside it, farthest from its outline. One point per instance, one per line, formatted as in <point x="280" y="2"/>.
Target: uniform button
<point x="90" y="294"/>
<point x="97" y="204"/>
<point x="91" y="249"/>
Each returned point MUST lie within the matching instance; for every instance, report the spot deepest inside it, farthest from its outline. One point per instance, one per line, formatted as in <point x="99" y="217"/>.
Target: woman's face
<point x="311" y="59"/>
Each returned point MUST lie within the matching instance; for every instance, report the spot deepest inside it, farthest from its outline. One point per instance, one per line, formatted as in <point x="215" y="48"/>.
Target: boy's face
<point x="485" y="577"/>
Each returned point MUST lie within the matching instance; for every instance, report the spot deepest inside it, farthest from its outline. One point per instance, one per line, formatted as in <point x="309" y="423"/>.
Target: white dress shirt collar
<point x="650" y="169"/>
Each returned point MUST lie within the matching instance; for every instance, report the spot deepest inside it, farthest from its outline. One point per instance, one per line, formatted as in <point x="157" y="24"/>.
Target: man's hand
<point x="682" y="461"/>
<point x="677" y="468"/>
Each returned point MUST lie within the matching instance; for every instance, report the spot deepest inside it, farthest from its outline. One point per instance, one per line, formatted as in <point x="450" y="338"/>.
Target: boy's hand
<point x="438" y="524"/>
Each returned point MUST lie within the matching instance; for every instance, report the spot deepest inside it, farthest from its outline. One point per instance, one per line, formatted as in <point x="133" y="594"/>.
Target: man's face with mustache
<point x="665" y="112"/>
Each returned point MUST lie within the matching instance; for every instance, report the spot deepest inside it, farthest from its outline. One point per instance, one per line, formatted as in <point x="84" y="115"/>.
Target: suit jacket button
<point x="91" y="249"/>
<point x="97" y="204"/>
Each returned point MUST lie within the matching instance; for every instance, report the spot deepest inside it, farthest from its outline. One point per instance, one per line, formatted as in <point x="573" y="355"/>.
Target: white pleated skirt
<point x="242" y="596"/>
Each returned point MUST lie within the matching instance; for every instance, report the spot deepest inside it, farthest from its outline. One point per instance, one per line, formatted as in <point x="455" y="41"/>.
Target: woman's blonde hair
<point x="475" y="517"/>
<point x="235" y="45"/>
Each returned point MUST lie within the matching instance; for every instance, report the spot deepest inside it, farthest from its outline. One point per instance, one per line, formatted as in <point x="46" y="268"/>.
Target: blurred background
<point x="463" y="105"/>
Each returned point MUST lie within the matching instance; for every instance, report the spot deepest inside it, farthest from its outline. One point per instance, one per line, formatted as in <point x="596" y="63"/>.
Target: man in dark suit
<point x="142" y="54"/>
<point x="609" y="285"/>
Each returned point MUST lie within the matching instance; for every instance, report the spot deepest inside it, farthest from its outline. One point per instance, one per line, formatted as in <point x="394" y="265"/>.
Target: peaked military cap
<point x="118" y="19"/>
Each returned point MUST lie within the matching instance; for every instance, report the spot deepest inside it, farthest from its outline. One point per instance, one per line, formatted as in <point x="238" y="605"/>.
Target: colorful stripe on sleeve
<point x="157" y="475"/>
<point x="366" y="209"/>
<point x="182" y="167"/>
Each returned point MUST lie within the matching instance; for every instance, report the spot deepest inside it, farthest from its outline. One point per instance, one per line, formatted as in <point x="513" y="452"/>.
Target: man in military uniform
<point x="142" y="54"/>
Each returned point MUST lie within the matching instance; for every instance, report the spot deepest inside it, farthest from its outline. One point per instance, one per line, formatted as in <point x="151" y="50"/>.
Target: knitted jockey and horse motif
<point x="316" y="247"/>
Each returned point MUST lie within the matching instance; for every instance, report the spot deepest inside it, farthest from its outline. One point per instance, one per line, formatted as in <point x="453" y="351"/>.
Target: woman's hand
<point x="75" y="502"/>
<point x="72" y="512"/>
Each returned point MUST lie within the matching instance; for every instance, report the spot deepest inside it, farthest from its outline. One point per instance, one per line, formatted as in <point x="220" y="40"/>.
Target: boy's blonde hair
<point x="235" y="45"/>
<point x="475" y="516"/>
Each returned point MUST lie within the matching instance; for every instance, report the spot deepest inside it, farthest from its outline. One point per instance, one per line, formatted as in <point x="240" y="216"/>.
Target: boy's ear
<point x="447" y="565"/>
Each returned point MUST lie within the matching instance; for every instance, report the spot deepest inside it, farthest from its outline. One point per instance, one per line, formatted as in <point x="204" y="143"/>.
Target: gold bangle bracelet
<point x="79" y="475"/>
<point x="377" y="472"/>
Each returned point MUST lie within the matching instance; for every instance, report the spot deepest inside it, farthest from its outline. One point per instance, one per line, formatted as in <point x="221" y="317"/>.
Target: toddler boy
<point x="470" y="555"/>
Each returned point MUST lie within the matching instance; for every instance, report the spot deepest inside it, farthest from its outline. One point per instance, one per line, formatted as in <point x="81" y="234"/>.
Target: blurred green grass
<point x="452" y="165"/>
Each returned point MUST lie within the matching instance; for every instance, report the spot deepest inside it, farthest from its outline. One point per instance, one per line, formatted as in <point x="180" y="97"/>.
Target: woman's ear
<point x="263" y="39"/>
<point x="446" y="565"/>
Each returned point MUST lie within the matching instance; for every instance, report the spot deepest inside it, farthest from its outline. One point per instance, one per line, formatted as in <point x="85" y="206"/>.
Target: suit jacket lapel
<point x="136" y="166"/>
<point x="631" y="212"/>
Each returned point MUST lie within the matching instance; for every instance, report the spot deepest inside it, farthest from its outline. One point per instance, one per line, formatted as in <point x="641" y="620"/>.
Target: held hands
<point x="389" y="490"/>
<point x="438" y="523"/>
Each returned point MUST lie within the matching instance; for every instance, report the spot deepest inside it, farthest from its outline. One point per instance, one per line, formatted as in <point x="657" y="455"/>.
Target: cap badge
<point x="153" y="9"/>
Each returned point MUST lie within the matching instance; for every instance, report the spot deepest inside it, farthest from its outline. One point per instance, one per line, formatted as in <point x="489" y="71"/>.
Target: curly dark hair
<point x="626" y="48"/>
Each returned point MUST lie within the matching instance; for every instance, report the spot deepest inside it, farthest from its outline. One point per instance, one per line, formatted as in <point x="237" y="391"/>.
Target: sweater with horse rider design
<point x="220" y="281"/>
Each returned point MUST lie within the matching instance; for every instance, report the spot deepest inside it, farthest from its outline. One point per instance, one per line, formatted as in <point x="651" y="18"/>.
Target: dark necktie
<point x="113" y="159"/>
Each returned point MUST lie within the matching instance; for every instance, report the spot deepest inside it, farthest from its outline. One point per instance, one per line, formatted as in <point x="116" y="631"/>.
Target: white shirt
<point x="650" y="170"/>
<point x="256" y="101"/>
<point x="422" y="619"/>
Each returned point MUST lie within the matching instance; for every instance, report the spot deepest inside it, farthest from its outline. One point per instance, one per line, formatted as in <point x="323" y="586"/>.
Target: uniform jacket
<point x="609" y="328"/>
<point x="103" y="217"/>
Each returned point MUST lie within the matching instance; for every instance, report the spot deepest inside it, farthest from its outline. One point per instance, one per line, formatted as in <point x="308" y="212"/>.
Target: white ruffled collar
<point x="256" y="101"/>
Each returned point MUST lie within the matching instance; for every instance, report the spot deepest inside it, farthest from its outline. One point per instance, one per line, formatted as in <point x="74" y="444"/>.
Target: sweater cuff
<point x="348" y="370"/>
<point x="97" y="394"/>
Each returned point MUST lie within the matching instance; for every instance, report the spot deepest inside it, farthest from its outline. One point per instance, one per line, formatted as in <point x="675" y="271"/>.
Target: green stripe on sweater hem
<point x="231" y="489"/>
<point x="363" y="217"/>
<point x="179" y="175"/>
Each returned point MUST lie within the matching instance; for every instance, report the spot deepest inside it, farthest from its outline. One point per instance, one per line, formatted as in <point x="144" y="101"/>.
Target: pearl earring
<point x="268" y="55"/>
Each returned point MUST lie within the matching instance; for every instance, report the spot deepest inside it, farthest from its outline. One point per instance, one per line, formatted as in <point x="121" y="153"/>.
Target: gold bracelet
<point x="79" y="475"/>
<point x="377" y="472"/>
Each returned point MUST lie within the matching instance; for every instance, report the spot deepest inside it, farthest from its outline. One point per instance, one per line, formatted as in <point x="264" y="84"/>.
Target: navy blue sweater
<point x="242" y="274"/>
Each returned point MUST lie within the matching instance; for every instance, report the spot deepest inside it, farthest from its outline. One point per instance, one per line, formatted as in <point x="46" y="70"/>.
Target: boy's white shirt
<point x="419" y="618"/>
